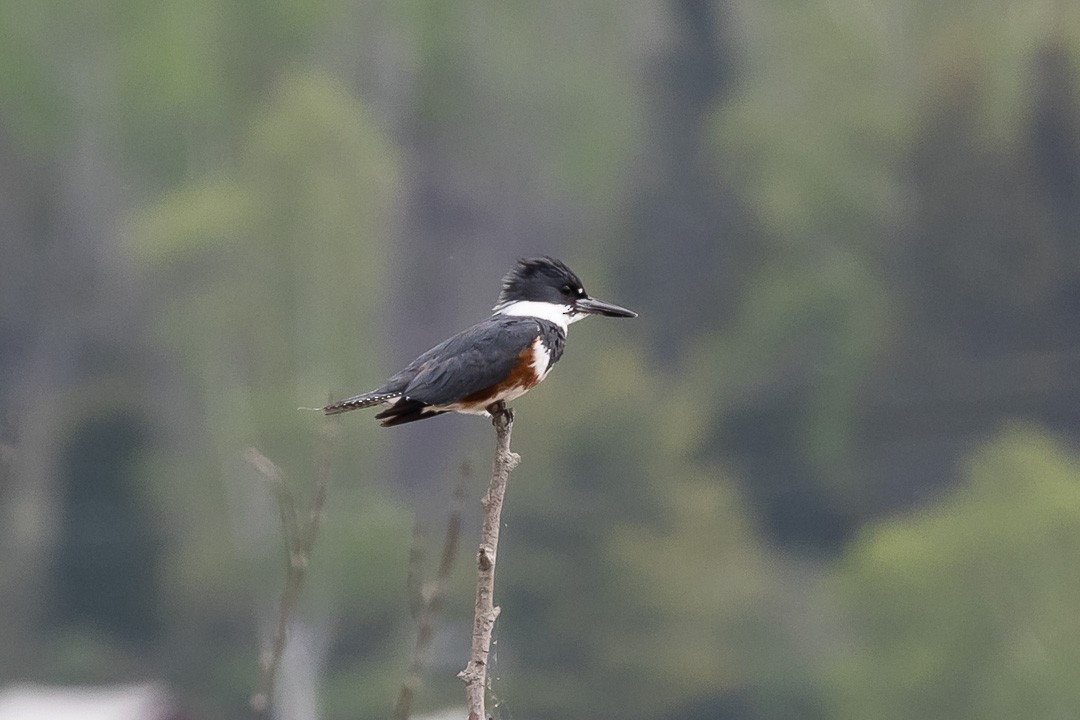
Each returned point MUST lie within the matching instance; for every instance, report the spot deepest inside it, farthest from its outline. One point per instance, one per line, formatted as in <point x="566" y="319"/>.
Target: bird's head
<point x="547" y="288"/>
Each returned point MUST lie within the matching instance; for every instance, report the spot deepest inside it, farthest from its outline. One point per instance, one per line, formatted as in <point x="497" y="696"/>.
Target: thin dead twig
<point x="427" y="599"/>
<point x="299" y="537"/>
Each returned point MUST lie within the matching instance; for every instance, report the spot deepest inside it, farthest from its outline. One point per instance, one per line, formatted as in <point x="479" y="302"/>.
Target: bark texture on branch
<point x="475" y="673"/>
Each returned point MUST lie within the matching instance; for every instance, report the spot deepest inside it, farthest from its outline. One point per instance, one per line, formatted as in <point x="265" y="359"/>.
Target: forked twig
<point x="299" y="536"/>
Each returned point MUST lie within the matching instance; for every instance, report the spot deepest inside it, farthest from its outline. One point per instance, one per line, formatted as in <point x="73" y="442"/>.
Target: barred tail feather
<point x="358" y="402"/>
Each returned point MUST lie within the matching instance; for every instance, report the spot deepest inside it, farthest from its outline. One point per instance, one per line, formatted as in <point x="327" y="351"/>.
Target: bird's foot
<point x="500" y="413"/>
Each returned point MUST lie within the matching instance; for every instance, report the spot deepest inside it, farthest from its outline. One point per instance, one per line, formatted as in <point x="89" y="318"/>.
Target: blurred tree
<point x="274" y="267"/>
<point x="101" y="108"/>
<point x="910" y="213"/>
<point x="682" y="215"/>
<point x="968" y="609"/>
<point x="270" y="271"/>
<point x="108" y="554"/>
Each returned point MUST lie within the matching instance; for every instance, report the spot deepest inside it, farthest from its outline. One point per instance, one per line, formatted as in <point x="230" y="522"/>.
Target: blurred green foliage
<point x="744" y="504"/>
<point x="968" y="609"/>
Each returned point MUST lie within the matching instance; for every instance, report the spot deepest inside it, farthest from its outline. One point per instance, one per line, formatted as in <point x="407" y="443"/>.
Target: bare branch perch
<point x="475" y="673"/>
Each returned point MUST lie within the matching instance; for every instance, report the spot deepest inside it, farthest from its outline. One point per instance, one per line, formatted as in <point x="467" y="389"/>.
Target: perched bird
<point x="497" y="360"/>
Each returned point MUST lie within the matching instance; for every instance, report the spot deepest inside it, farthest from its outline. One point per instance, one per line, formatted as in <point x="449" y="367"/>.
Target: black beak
<point x="588" y="306"/>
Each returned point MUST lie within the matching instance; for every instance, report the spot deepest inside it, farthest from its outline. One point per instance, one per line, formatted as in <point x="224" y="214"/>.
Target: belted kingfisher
<point x="497" y="360"/>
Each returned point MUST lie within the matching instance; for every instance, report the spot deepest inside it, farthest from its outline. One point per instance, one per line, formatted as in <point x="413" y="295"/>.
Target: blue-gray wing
<point x="471" y="361"/>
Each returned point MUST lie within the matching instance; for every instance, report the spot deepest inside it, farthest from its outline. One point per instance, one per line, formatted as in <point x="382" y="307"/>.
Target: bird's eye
<point x="568" y="290"/>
